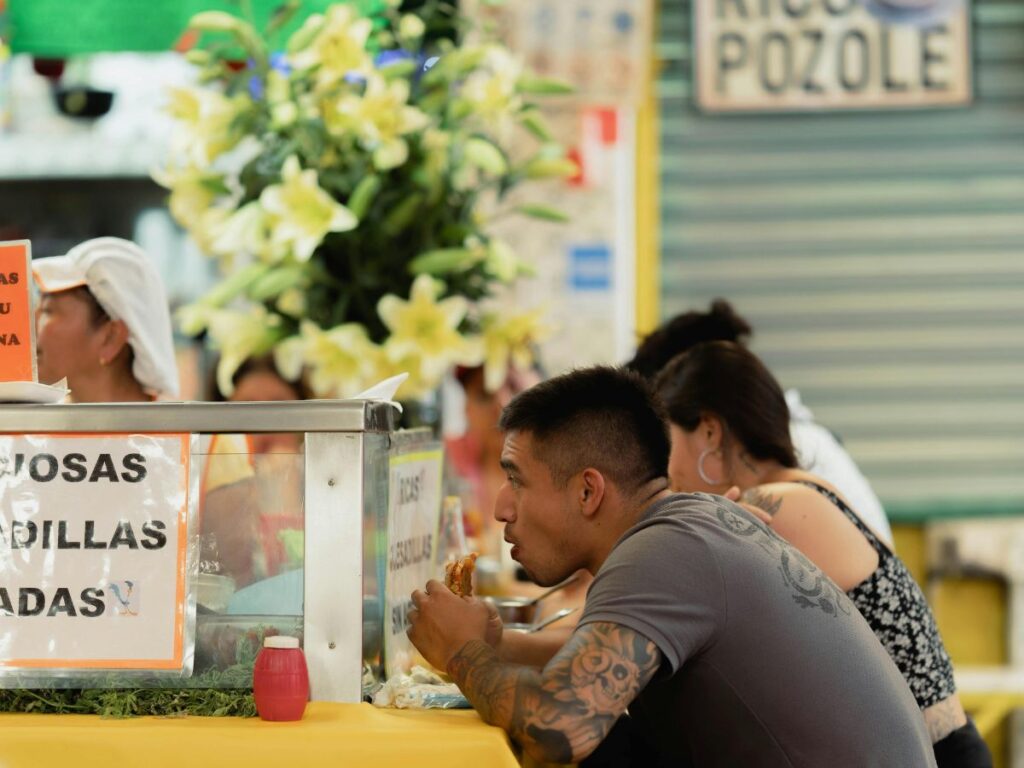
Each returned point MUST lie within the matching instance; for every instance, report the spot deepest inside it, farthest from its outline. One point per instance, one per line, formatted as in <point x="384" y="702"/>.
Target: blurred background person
<point x="103" y="324"/>
<point x="252" y="506"/>
<point x="817" y="448"/>
<point x="729" y="426"/>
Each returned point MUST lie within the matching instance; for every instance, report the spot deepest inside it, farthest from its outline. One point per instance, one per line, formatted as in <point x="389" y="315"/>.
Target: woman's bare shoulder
<point x="786" y="495"/>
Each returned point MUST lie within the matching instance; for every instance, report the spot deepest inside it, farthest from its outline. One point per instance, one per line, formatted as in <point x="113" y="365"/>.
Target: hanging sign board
<point x="17" y="326"/>
<point x="790" y="55"/>
<point x="93" y="534"/>
<point x="414" y="513"/>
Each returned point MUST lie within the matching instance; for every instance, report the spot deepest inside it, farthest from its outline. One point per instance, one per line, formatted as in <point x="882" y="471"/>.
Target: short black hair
<point x="728" y="381"/>
<point x="719" y="323"/>
<point x="601" y="417"/>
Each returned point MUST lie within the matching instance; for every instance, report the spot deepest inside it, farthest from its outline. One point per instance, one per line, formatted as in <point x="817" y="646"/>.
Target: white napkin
<point x="33" y="392"/>
<point x="384" y="391"/>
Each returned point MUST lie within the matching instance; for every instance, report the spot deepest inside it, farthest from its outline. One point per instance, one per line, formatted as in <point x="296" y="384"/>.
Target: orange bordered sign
<point x="93" y="551"/>
<point x="17" y="325"/>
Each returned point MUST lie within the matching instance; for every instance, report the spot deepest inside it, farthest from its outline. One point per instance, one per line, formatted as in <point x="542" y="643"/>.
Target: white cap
<point x="128" y="287"/>
<point x="280" y="641"/>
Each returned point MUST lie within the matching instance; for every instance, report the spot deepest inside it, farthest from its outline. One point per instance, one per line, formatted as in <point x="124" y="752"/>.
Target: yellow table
<point x="336" y="735"/>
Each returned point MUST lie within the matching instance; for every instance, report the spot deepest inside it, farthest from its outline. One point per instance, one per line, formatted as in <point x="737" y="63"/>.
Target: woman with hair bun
<point x="817" y="449"/>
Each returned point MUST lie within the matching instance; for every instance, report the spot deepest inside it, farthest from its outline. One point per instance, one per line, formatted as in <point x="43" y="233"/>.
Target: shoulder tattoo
<point x="759" y="498"/>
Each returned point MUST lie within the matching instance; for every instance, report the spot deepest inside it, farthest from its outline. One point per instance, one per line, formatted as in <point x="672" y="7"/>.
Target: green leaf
<point x="543" y="212"/>
<point x="275" y="282"/>
<point x="442" y="261"/>
<point x="216" y="21"/>
<point x="234" y="284"/>
<point x="306" y="34"/>
<point x="242" y="31"/>
<point x="543" y="168"/>
<point x="363" y="195"/>
<point x="282" y="15"/>
<point x="198" y="57"/>
<point x="486" y="156"/>
<point x="215" y="184"/>
<point x="397" y="69"/>
<point x="545" y="86"/>
<point x="459" y="110"/>
<point x="401" y="215"/>
<point x="535" y="124"/>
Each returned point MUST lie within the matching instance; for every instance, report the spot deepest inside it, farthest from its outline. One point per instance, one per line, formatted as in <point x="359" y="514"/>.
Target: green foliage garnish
<point x="195" y="696"/>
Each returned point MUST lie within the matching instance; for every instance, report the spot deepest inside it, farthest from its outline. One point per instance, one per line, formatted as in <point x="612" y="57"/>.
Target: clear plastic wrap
<point x="420" y="689"/>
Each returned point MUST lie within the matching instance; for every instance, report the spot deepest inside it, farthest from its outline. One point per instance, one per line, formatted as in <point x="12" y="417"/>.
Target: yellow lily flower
<point x="491" y="90"/>
<point x="501" y="261"/>
<point x="427" y="327"/>
<point x="243" y="232"/>
<point x="292" y="302"/>
<point x="509" y="339"/>
<point x="193" y="318"/>
<point x="239" y="336"/>
<point x="301" y="212"/>
<point x="379" y="119"/>
<point x="205" y="121"/>
<point x="339" y="48"/>
<point x="192" y="191"/>
<point x="411" y="27"/>
<point x="390" y="363"/>
<point x="340" y="360"/>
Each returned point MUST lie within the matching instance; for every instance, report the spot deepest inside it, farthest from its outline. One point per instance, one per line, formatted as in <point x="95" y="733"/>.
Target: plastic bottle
<point x="280" y="680"/>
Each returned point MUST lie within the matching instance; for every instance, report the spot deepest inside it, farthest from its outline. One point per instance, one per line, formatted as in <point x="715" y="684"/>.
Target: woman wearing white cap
<point x="103" y="323"/>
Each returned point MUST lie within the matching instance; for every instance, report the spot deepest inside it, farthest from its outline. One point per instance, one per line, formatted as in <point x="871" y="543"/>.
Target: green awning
<point x="59" y="28"/>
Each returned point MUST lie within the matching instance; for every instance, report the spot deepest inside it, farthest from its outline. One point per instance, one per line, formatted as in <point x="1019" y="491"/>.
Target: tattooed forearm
<point x="488" y="684"/>
<point x="758" y="498"/>
<point x="563" y="713"/>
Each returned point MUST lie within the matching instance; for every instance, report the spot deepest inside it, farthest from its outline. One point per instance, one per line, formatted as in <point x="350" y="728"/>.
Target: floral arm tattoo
<point x="561" y="713"/>
<point x="758" y="498"/>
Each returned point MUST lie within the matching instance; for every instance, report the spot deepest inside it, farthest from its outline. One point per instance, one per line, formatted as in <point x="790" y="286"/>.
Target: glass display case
<point x="229" y="521"/>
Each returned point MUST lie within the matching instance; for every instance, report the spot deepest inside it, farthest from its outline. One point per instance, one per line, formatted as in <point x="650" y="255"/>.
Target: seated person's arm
<point x="561" y="713"/>
<point x="533" y="649"/>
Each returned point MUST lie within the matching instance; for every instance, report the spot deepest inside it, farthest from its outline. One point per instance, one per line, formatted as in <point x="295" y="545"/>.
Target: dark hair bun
<point x="720" y="323"/>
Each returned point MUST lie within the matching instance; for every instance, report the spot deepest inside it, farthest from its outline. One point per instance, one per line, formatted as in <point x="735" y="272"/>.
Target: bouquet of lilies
<point x="345" y="176"/>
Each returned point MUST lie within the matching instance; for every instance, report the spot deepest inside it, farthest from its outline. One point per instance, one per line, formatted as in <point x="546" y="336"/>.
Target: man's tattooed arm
<point x="758" y="498"/>
<point x="561" y="713"/>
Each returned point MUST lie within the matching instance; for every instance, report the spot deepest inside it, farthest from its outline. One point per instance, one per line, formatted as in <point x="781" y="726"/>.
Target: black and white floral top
<point x="900" y="617"/>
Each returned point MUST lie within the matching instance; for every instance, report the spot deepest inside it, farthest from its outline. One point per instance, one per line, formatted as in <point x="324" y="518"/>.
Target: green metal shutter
<point x="879" y="257"/>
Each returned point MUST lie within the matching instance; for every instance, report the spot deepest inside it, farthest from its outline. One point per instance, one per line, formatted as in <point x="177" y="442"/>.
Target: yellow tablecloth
<point x="335" y="735"/>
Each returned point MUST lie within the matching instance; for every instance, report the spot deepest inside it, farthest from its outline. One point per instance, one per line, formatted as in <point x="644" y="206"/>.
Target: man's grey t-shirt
<point x="765" y="661"/>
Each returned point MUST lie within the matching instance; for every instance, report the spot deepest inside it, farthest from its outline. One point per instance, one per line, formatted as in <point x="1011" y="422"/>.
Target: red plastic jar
<point x="280" y="680"/>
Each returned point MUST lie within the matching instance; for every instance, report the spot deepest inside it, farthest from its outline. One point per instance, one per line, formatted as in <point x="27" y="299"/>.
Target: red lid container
<point x="280" y="680"/>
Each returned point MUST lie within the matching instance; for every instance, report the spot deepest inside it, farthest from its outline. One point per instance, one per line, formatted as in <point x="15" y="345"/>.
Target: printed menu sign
<point x="17" y="350"/>
<point x="93" y="534"/>
<point x="778" y="55"/>
<point x="413" y="518"/>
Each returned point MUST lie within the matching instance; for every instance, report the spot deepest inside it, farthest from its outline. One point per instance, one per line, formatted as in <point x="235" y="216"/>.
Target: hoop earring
<point x="700" y="467"/>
